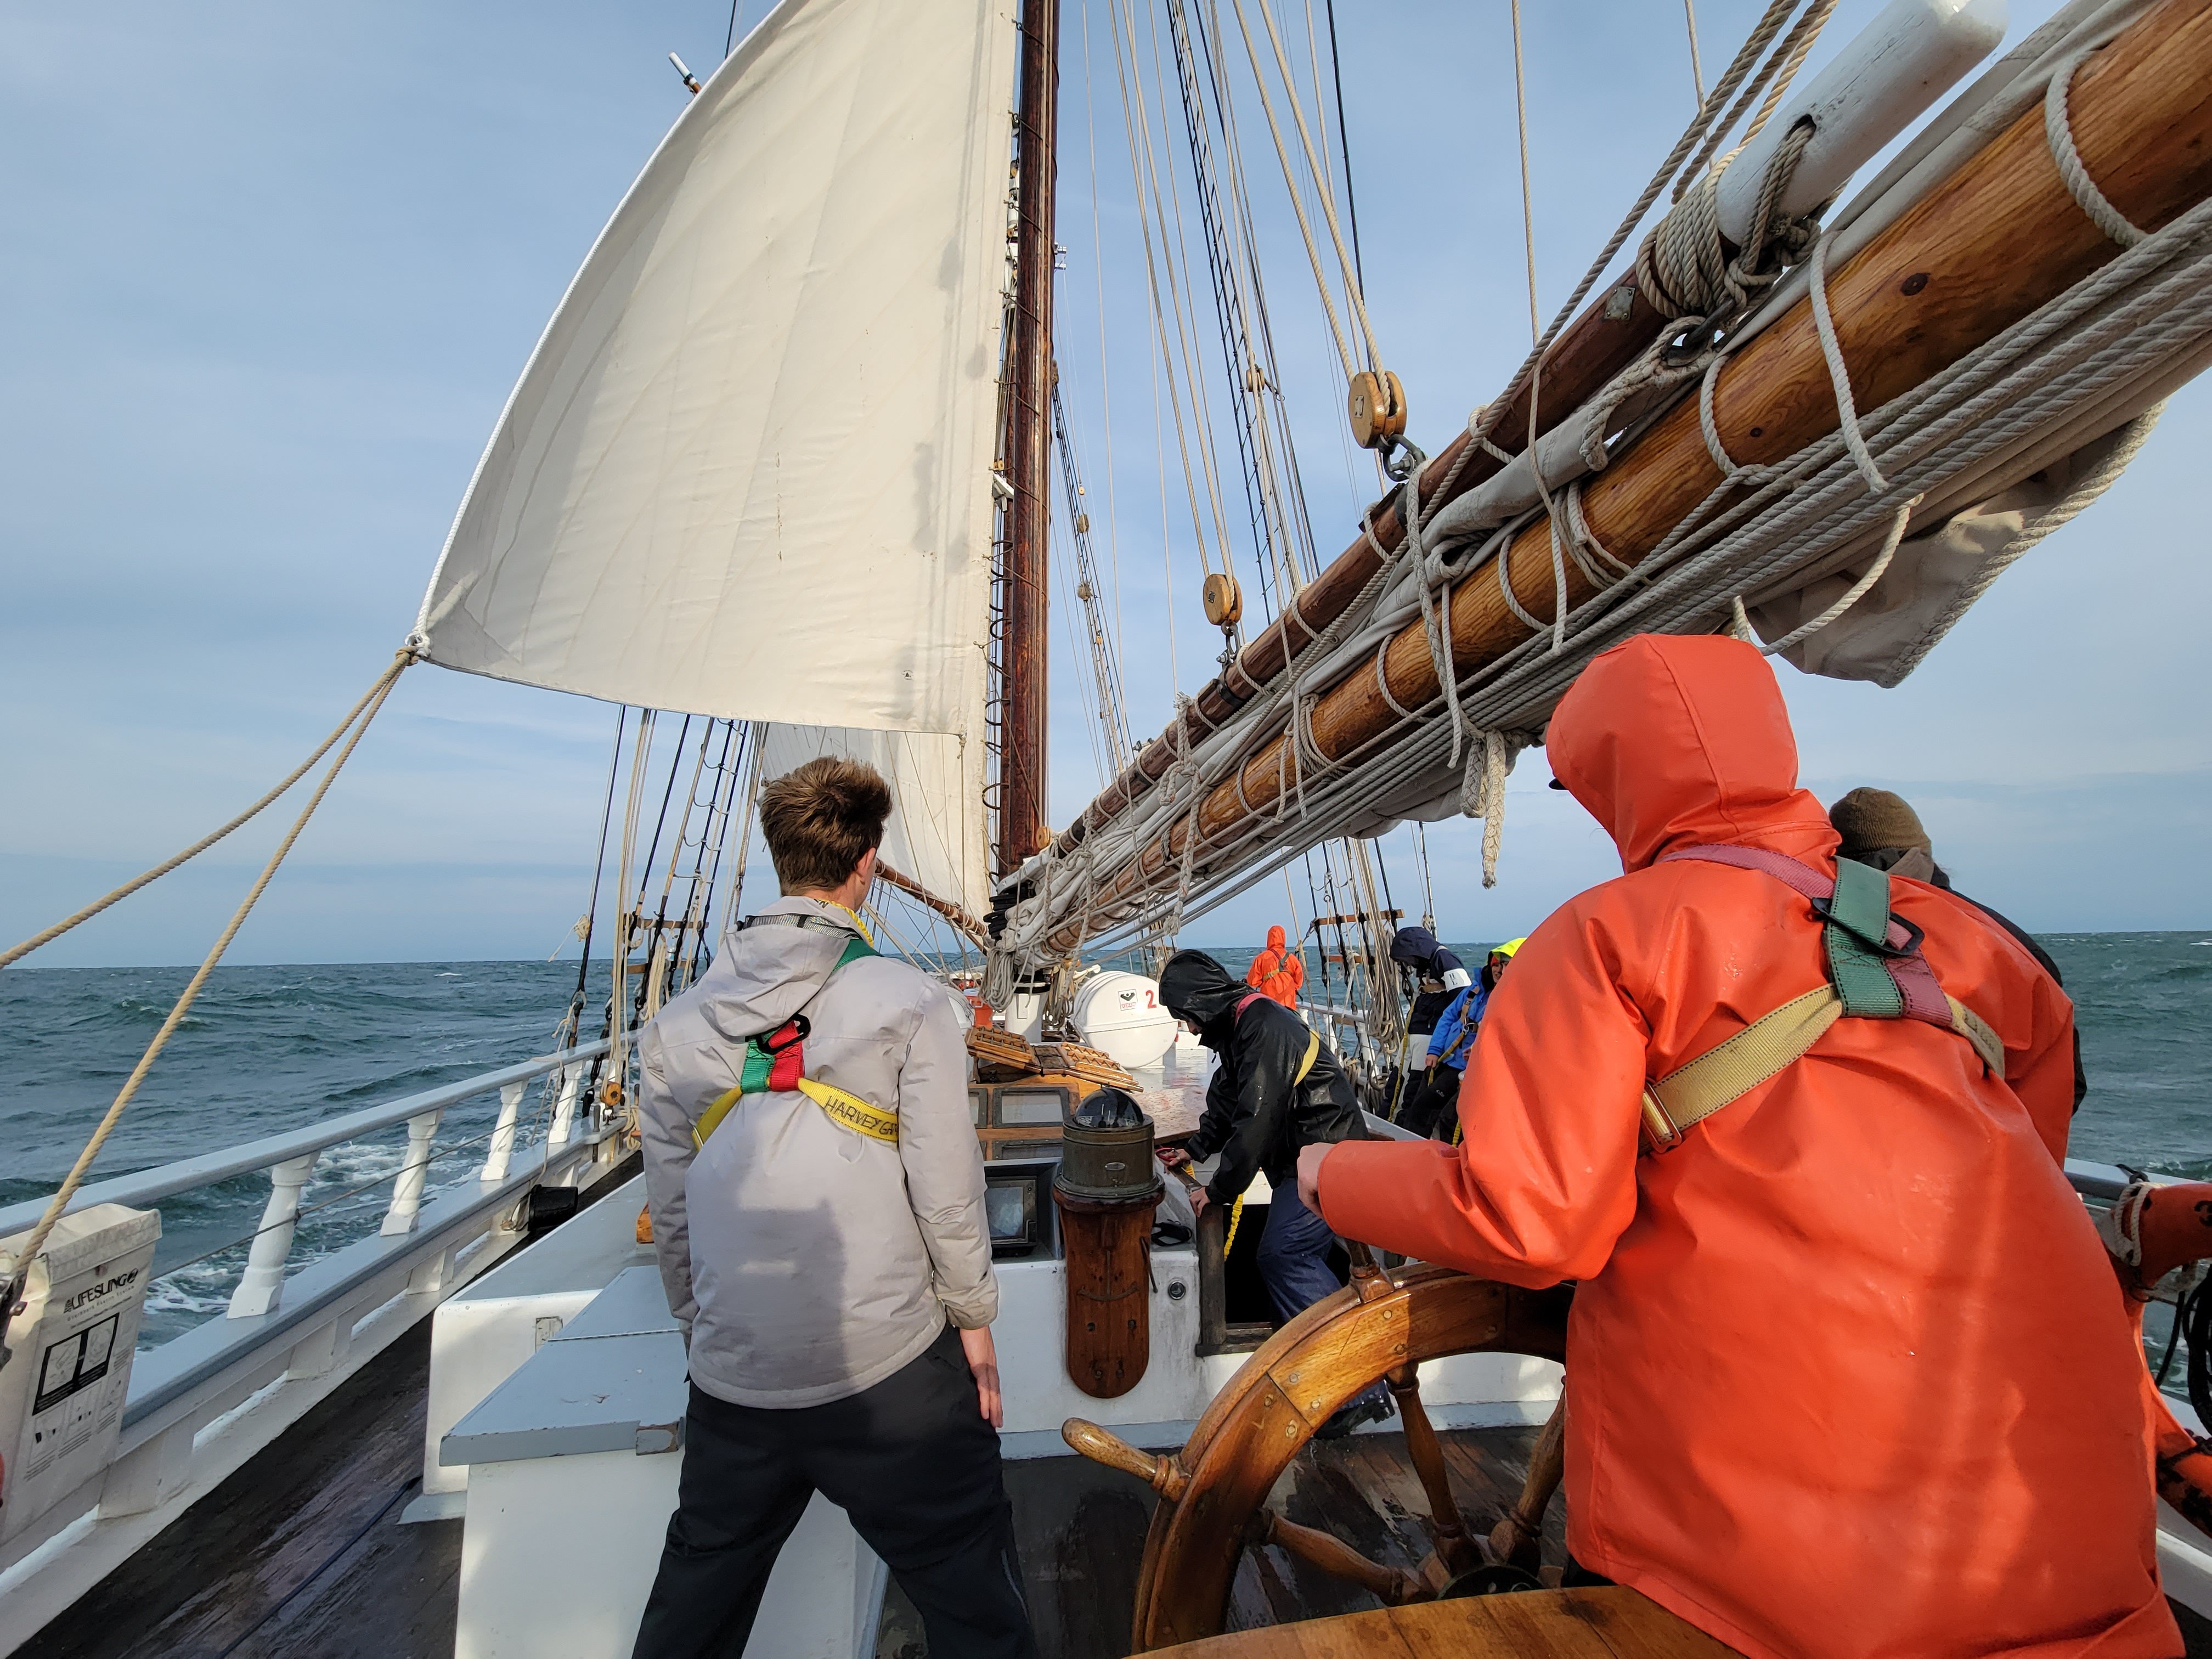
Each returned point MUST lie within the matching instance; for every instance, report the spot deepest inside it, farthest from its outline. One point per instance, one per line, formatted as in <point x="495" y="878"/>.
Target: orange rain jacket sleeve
<point x="1845" y="1376"/>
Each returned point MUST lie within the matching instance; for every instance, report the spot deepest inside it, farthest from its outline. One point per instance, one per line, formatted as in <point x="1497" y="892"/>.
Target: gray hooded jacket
<point x="807" y="1262"/>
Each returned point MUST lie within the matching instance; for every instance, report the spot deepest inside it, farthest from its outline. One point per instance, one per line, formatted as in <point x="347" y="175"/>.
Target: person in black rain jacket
<point x="1277" y="1089"/>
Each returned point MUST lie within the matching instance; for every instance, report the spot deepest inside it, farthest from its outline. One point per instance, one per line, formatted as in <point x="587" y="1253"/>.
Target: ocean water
<point x="262" y="1050"/>
<point x="266" y="1049"/>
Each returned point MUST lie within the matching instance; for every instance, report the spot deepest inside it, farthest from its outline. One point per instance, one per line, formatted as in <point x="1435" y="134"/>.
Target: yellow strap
<point x="711" y="1119"/>
<point x="1236" y="1210"/>
<point x="846" y="1110"/>
<point x="1977" y="1030"/>
<point x="1727" y="1072"/>
<point x="851" y="1112"/>
<point x="1759" y="1052"/>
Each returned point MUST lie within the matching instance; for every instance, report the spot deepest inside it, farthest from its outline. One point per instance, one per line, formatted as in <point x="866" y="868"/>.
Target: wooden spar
<point x="2000" y="238"/>
<point x="945" y="908"/>
<point x="1588" y="352"/>
<point x="1025" y="590"/>
<point x="1878" y="83"/>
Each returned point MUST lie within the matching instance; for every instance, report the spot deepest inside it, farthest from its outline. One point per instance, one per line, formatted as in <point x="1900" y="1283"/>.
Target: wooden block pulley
<point x="1376" y="404"/>
<point x="1224" y="601"/>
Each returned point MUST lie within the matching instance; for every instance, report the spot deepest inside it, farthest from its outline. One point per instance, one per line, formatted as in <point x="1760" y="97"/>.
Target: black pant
<point x="914" y="1464"/>
<point x="1434" y="1101"/>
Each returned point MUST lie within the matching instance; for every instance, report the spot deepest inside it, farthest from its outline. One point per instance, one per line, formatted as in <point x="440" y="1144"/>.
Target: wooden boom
<point x="1999" y="238"/>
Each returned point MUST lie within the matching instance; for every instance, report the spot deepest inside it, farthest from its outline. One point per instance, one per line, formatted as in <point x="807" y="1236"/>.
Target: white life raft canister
<point x="1121" y="1015"/>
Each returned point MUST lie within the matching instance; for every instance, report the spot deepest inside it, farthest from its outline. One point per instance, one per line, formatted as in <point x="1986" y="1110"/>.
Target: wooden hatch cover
<point x="1612" y="1623"/>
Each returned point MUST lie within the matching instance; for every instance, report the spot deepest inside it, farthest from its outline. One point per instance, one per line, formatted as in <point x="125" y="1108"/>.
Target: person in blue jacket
<point x="1434" y="1108"/>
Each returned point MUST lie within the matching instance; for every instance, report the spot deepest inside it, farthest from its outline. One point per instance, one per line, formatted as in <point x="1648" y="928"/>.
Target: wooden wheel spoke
<point x="1448" y="1529"/>
<point x="1392" y="1586"/>
<point x="1519" y="1537"/>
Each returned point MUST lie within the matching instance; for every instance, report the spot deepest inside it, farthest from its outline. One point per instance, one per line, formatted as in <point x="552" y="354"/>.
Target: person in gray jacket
<point x="816" y="1193"/>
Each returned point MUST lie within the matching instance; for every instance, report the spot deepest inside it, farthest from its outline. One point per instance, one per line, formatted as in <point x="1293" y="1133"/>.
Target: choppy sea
<point x="266" y="1049"/>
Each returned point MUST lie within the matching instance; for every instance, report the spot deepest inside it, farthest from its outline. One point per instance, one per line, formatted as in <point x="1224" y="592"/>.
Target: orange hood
<point x="1277" y="940"/>
<point x="1683" y="741"/>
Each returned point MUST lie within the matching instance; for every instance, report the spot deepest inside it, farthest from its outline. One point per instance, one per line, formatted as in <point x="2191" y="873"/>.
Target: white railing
<point x="204" y="1401"/>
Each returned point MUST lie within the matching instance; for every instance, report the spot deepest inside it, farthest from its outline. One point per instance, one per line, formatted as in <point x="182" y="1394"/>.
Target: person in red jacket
<point x="1276" y="971"/>
<point x="1845" y="1376"/>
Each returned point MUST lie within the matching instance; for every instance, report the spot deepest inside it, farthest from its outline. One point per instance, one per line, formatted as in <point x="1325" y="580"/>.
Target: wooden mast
<point x="1025" y="573"/>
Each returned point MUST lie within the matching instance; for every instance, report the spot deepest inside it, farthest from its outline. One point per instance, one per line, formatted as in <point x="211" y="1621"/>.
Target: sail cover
<point x="936" y="833"/>
<point x="746" y="473"/>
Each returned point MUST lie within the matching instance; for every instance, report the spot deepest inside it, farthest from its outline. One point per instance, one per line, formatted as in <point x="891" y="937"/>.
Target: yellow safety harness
<point x="1236" y="1210"/>
<point x="775" y="1060"/>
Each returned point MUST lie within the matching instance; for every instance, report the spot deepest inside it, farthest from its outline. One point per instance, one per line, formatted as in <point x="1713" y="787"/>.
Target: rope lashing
<point x="1857" y="592"/>
<point x="1435" y="619"/>
<point x="2058" y="132"/>
<point x="19" y="1270"/>
<point x="18" y="952"/>
<point x="1839" y="381"/>
<point x="1684" y="266"/>
<point x="1840" y="376"/>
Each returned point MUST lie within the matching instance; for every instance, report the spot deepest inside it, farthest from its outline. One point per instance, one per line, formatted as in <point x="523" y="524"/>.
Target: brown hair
<point x="820" y="820"/>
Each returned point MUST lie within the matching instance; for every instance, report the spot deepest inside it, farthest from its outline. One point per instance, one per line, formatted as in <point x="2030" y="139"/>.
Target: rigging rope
<point x="1528" y="199"/>
<point x="1485" y="419"/>
<point x="2051" y="372"/>
<point x="2058" y="131"/>
<point x="1857" y="592"/>
<point x="1697" y="70"/>
<point x="382" y="684"/>
<point x="1344" y="147"/>
<point x="19" y="1270"/>
<point x="1344" y="352"/>
<point x="1344" y="263"/>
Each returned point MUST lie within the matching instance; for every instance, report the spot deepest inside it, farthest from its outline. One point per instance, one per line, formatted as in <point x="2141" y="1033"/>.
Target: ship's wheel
<point x="1213" y="1493"/>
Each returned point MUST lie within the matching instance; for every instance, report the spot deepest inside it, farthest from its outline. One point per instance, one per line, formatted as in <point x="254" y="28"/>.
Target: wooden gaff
<point x="1999" y="239"/>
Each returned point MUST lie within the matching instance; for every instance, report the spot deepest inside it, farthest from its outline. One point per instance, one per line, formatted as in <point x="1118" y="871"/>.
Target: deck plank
<point x="219" y="1574"/>
<point x="1590" y="1624"/>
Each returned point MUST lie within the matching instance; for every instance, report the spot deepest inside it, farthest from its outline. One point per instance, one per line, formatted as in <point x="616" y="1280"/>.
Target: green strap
<point x="1858" y="926"/>
<point x="752" y="1079"/>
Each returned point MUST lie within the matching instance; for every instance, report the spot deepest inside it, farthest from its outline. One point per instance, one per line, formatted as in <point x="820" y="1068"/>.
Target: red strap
<point x="1923" y="994"/>
<point x="1798" y="873"/>
<point x="1246" y="1001"/>
<point x="790" y="1060"/>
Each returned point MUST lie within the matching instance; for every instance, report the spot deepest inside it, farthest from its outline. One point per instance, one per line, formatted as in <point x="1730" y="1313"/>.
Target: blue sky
<point x="275" y="268"/>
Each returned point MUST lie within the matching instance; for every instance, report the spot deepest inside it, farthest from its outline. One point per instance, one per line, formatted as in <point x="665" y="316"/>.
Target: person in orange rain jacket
<point x="1276" y="971"/>
<point x="1845" y="1375"/>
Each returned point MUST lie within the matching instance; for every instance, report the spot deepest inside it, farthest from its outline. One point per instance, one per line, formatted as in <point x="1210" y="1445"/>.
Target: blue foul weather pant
<point x="1294" y="1264"/>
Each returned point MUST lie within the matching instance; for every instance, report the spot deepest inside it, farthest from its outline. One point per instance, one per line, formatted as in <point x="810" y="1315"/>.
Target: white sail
<point x="746" y="472"/>
<point x="936" y="833"/>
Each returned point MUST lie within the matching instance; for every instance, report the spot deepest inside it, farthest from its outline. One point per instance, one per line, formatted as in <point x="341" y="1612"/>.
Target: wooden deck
<point x="1082" y="1527"/>
<point x="302" y="1552"/>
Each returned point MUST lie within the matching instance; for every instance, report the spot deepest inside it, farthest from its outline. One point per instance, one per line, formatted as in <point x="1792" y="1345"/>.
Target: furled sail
<point x="936" y="833"/>
<point x="746" y="473"/>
